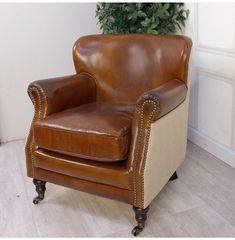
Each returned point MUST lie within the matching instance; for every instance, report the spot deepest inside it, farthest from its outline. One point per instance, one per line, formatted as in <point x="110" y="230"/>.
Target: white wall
<point x="212" y="101"/>
<point x="36" y="41"/>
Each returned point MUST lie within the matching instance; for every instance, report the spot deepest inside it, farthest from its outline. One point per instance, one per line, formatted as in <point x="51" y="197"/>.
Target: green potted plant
<point x="151" y="18"/>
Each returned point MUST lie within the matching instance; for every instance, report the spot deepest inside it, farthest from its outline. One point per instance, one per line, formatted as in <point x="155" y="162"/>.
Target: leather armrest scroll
<point x="158" y="102"/>
<point x="57" y="94"/>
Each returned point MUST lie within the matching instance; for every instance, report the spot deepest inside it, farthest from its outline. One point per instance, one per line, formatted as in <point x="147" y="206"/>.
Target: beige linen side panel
<point x="166" y="150"/>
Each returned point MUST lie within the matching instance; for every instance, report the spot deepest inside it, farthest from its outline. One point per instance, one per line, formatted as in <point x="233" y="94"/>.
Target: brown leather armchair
<point x="118" y="127"/>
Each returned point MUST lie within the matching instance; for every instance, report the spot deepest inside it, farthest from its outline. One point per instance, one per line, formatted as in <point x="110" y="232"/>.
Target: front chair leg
<point x="140" y="216"/>
<point x="173" y="177"/>
<point x="40" y="189"/>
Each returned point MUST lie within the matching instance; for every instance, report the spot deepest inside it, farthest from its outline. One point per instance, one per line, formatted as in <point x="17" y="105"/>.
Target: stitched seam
<point x="86" y="157"/>
<point x="84" y="133"/>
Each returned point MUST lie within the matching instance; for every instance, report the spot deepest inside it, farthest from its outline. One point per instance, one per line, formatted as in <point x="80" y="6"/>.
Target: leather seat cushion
<point x="96" y="131"/>
<point x="114" y="174"/>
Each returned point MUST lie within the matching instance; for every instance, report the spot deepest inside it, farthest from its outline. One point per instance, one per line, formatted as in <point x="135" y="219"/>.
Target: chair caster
<point x="136" y="231"/>
<point x="40" y="189"/>
<point x="173" y="177"/>
<point x="141" y="217"/>
<point x="36" y="200"/>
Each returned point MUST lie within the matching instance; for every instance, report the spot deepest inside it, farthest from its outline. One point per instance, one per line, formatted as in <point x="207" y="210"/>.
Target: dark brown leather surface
<point x="102" y="190"/>
<point x="66" y="92"/>
<point x="53" y="95"/>
<point x="99" y="131"/>
<point x="166" y="97"/>
<point x="126" y="66"/>
<point x="113" y="174"/>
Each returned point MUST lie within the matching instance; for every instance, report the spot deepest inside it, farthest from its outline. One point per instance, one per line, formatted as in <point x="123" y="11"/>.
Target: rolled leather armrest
<point x="158" y="102"/>
<point x="57" y="94"/>
<point x="151" y="106"/>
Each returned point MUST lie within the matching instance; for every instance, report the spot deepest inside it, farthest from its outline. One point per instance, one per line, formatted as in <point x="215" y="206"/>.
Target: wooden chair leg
<point x="173" y="177"/>
<point x="40" y="189"/>
<point x="141" y="217"/>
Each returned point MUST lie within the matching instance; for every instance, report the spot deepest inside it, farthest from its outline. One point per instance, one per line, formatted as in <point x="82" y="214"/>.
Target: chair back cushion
<point x="125" y="66"/>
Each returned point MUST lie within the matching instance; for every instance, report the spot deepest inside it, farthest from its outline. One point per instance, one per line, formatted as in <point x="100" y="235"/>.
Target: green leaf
<point x="166" y="6"/>
<point x="141" y="14"/>
<point x="111" y="19"/>
<point x="139" y="30"/>
<point x="154" y="31"/>
<point x="144" y="23"/>
<point x="149" y="30"/>
<point x="154" y="25"/>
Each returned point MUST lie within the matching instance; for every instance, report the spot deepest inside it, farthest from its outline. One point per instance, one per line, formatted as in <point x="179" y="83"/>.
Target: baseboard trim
<point x="218" y="150"/>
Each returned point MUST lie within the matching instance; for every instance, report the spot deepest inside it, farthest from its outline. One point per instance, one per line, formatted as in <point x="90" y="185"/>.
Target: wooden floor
<point x="201" y="203"/>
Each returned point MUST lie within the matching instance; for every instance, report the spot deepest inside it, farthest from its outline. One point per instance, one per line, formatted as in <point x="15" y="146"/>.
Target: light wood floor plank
<point x="16" y="218"/>
<point x="204" y="222"/>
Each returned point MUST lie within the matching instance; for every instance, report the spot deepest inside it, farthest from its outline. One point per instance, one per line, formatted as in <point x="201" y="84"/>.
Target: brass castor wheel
<point x="136" y="231"/>
<point x="40" y="189"/>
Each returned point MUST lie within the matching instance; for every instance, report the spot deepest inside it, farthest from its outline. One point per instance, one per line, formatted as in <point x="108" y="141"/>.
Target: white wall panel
<point x="215" y="108"/>
<point x="192" y="97"/>
<point x="221" y="63"/>
<point x="216" y="25"/>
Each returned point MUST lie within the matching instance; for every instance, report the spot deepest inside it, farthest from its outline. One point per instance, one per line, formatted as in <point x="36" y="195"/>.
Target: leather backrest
<point x="125" y="66"/>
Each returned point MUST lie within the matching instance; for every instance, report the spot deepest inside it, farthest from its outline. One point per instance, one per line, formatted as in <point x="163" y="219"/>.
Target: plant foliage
<point x="153" y="18"/>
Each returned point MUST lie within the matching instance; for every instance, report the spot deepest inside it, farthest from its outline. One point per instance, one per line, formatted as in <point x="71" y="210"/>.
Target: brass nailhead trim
<point x="41" y="112"/>
<point x="156" y="110"/>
